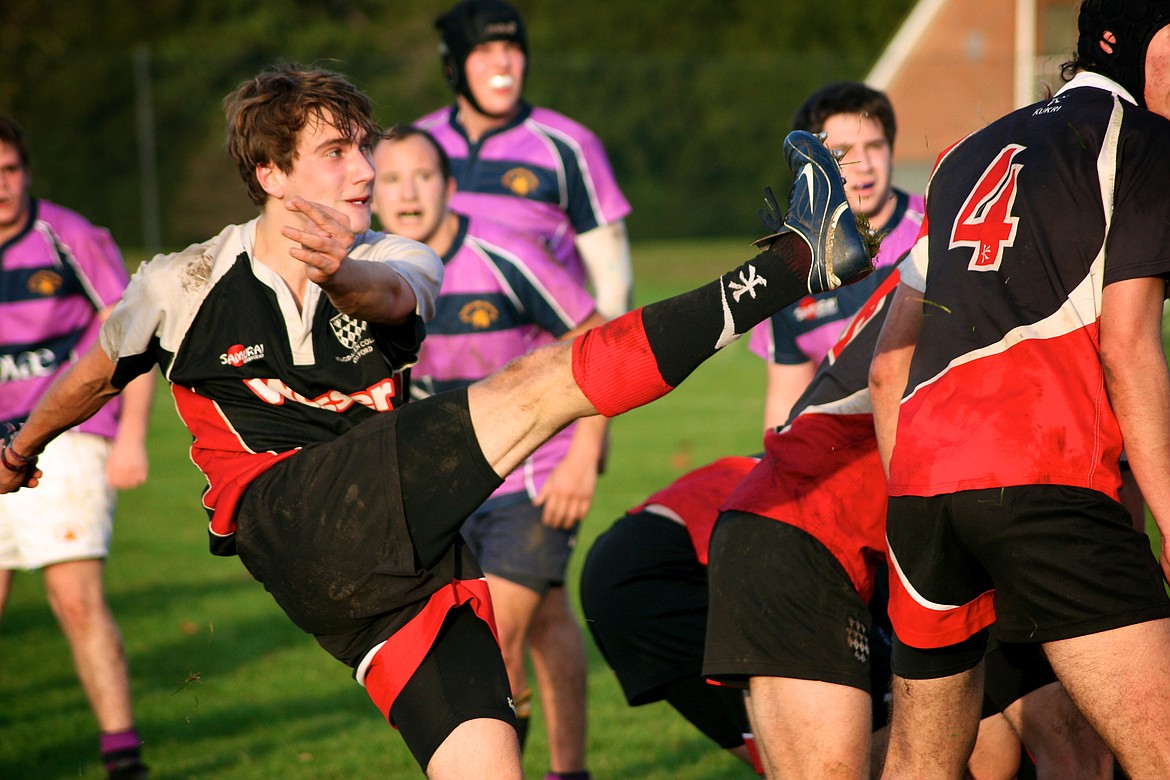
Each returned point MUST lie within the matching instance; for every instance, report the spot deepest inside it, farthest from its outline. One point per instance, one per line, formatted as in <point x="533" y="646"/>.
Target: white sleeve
<point x="605" y="253"/>
<point x="416" y="263"/>
<point x="913" y="268"/>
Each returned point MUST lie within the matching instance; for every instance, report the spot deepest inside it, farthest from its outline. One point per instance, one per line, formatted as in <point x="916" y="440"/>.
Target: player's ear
<point x="271" y="179"/>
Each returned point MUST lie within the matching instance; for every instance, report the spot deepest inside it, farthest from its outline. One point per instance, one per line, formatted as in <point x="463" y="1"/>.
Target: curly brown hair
<point x="266" y="114"/>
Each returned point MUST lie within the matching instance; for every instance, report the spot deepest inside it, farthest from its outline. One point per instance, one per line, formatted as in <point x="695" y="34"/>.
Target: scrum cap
<point x="1133" y="23"/>
<point x="469" y="24"/>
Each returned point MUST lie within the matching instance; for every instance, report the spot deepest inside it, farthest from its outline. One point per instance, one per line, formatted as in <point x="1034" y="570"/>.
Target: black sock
<point x="686" y="330"/>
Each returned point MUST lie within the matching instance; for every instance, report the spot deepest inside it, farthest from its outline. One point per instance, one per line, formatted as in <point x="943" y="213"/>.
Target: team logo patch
<point x="479" y="315"/>
<point x="348" y="330"/>
<point x="747" y="284"/>
<point x="858" y="639"/>
<point x="45" y="283"/>
<point x="351" y="334"/>
<point x="238" y="355"/>
<point x="520" y="181"/>
<point x="811" y="308"/>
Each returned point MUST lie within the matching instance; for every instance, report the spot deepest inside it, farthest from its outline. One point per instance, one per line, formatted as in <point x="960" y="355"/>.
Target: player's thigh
<point x="519" y="407"/>
<point x="461" y="679"/>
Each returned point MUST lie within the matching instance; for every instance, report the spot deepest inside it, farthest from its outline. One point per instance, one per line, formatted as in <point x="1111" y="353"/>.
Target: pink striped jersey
<point x="541" y="173"/>
<point x="502" y="297"/>
<point x="806" y="330"/>
<point x="56" y="275"/>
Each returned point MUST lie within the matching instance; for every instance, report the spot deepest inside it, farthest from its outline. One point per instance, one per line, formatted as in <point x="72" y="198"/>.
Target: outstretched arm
<point x="73" y="398"/>
<point x="374" y="292"/>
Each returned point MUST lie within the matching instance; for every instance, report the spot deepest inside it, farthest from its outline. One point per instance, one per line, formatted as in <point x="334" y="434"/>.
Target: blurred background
<point x="122" y="98"/>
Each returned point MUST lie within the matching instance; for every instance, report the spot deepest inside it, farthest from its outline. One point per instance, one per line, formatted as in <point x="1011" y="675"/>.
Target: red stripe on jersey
<point x="226" y="462"/>
<point x="398" y="659"/>
<point x="615" y="367"/>
<point x="925" y="627"/>
<point x="696" y="496"/>
<point x="823" y="475"/>
<point x="1036" y="413"/>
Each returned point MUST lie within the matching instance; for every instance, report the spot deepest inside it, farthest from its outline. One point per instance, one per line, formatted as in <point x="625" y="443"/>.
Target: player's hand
<point x="12" y="481"/>
<point x="127" y="466"/>
<point x="325" y="238"/>
<point x="567" y="495"/>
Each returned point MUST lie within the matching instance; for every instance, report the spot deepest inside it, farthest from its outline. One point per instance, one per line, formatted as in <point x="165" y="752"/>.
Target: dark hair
<point x="1133" y="24"/>
<point x="845" y="97"/>
<point x="266" y="114"/>
<point x="402" y="132"/>
<point x="12" y="134"/>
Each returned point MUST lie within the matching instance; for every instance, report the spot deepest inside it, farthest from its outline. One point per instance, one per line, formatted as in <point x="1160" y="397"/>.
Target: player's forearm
<point x="587" y="445"/>
<point x="137" y="399"/>
<point x="73" y="398"/>
<point x="373" y="292"/>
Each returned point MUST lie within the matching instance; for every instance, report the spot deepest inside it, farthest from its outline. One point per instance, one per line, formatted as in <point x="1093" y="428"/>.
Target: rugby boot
<point x="818" y="212"/>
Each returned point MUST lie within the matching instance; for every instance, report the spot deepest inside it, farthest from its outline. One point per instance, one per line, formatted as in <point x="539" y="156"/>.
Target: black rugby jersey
<point x="253" y="378"/>
<point x="1026" y="221"/>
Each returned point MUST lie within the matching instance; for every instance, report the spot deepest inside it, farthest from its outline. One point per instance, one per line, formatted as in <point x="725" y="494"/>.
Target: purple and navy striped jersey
<point x="56" y="276"/>
<point x="502" y="297"/>
<point x="541" y="173"/>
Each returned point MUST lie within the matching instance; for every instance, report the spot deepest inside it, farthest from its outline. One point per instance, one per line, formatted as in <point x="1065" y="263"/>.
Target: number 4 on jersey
<point x="986" y="222"/>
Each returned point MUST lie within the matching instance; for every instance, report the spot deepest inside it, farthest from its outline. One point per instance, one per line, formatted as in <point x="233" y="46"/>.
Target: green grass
<point x="226" y="687"/>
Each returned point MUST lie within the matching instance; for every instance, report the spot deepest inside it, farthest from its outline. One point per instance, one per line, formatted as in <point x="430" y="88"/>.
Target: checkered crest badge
<point x="348" y="330"/>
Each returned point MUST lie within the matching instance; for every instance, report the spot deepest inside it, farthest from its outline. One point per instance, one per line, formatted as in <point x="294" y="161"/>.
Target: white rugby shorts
<point x="69" y="516"/>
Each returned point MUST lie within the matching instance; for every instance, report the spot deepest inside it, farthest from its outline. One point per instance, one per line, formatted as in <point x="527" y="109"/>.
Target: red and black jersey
<point x="821" y="471"/>
<point x="254" y="377"/>
<point x="1027" y="220"/>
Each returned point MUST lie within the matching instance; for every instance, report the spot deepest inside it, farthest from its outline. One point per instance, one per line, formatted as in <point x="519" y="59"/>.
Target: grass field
<point x="226" y="687"/>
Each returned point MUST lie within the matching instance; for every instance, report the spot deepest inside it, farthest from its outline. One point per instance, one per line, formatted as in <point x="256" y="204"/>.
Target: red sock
<point x="615" y="368"/>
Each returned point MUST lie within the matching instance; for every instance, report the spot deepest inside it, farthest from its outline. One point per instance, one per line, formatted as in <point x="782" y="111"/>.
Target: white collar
<point x="1089" y="79"/>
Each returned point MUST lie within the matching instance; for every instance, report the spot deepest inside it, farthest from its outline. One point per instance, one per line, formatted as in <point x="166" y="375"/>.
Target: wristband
<point x="10" y="458"/>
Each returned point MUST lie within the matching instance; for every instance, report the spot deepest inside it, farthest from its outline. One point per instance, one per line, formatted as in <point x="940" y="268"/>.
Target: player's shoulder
<point x="490" y="233"/>
<point x="556" y="122"/>
<point x="435" y="119"/>
<point x="197" y="266"/>
<point x="67" y="223"/>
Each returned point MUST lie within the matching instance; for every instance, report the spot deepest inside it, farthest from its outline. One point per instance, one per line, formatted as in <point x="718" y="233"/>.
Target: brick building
<point x="956" y="65"/>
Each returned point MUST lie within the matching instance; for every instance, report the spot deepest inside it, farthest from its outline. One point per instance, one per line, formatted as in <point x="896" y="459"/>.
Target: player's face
<point x="14" y="180"/>
<point x="1158" y="73"/>
<point x="867" y="165"/>
<point x="334" y="171"/>
<point x="410" y="194"/>
<point x="495" y="76"/>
